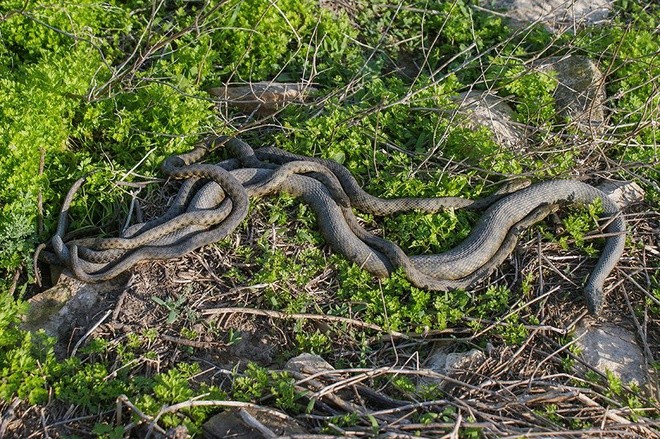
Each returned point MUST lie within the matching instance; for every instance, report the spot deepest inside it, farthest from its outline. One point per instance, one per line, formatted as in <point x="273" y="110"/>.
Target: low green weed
<point x="628" y="50"/>
<point x="89" y="385"/>
<point x="173" y="386"/>
<point x="395" y="304"/>
<point x="172" y="305"/>
<point x="534" y="104"/>
<point x="513" y="331"/>
<point x="257" y="383"/>
<point x="316" y="342"/>
<point x="578" y="223"/>
<point x="283" y="272"/>
<point x="106" y="431"/>
<point x="427" y="233"/>
<point x="404" y="385"/>
<point x="549" y="411"/>
<point x="258" y="41"/>
<point x="346" y="420"/>
<point x="26" y="358"/>
<point x="494" y="300"/>
<point x="448" y="30"/>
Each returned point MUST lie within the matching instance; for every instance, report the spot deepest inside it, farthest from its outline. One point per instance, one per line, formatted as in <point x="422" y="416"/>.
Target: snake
<point x="214" y="199"/>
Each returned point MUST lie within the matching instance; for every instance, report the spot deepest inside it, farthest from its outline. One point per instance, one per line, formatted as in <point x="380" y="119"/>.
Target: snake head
<point x="594" y="297"/>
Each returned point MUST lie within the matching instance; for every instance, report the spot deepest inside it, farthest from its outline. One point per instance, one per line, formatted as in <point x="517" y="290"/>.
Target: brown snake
<point x="214" y="199"/>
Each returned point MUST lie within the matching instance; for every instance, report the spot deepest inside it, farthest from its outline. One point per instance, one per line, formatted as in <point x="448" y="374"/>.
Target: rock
<point x="228" y="424"/>
<point x="556" y="15"/>
<point x="45" y="307"/>
<point x="262" y="97"/>
<point x="449" y="363"/>
<point x="580" y="92"/>
<point x="623" y="193"/>
<point x="608" y="347"/>
<point x="453" y="364"/>
<point x="66" y="305"/>
<point x="69" y="302"/>
<point x="489" y="110"/>
<point x="458" y="361"/>
<point x="308" y="364"/>
<point x="234" y="424"/>
<point x="179" y="432"/>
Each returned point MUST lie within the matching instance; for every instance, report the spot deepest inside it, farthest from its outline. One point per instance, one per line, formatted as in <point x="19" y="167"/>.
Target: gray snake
<point x="214" y="199"/>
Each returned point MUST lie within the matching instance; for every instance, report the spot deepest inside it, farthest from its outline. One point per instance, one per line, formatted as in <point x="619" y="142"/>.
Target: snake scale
<point x="214" y="199"/>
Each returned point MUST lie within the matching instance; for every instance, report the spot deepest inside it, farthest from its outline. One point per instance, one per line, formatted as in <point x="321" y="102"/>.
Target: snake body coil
<point x="213" y="200"/>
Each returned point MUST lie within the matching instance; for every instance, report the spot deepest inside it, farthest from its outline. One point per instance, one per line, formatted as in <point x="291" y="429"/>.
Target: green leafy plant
<point x="258" y="383"/>
<point x="106" y="431"/>
<point x="513" y="330"/>
<point x="90" y="385"/>
<point x="26" y="358"/>
<point x="533" y="90"/>
<point x="174" y="386"/>
<point x="172" y="305"/>
<point x="315" y="342"/>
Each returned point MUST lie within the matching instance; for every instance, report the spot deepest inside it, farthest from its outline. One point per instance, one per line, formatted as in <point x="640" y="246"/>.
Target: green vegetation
<point x="259" y="384"/>
<point x="24" y="357"/>
<point x="110" y="89"/>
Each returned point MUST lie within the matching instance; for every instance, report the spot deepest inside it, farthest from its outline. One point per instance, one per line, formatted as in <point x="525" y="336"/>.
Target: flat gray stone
<point x="482" y="108"/>
<point x="230" y="424"/>
<point x="448" y="363"/>
<point x="308" y="364"/>
<point x="556" y="15"/>
<point x="623" y="193"/>
<point x="45" y="308"/>
<point x="452" y="364"/>
<point x="580" y="92"/>
<point x="66" y="304"/>
<point x="608" y="347"/>
<point x="262" y="97"/>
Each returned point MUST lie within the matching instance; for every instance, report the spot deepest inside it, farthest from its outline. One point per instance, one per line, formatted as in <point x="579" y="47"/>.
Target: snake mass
<point x="214" y="198"/>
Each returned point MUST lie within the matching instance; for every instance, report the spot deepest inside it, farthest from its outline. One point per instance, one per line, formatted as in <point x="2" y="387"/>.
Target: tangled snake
<point x="214" y="199"/>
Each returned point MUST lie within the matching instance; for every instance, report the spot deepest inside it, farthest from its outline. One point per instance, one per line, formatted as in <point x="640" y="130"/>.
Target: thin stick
<point x="253" y="422"/>
<point x="43" y="422"/>
<point x="40" y="201"/>
<point x="35" y="264"/>
<point x="616" y="418"/>
<point x="123" y="399"/>
<point x="89" y="332"/>
<point x="8" y="416"/>
<point x="209" y="403"/>
<point x="285" y="316"/>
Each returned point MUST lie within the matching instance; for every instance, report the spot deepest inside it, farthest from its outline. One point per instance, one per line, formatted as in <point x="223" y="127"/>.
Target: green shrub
<point x="26" y="358"/>
<point x="289" y="38"/>
<point x="628" y="51"/>
<point x="90" y="385"/>
<point x="174" y="386"/>
<point x="443" y="30"/>
<point x="258" y="383"/>
<point x="38" y="109"/>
